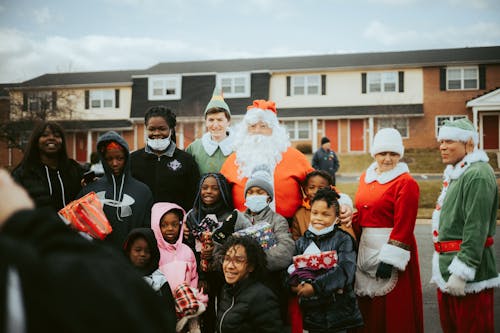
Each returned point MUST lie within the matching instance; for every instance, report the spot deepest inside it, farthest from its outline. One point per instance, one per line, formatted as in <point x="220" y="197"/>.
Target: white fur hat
<point x="458" y="130"/>
<point x="387" y="139"/>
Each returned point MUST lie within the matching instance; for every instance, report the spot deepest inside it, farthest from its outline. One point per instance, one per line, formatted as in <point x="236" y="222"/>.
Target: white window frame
<point x="307" y="85"/>
<point x="383" y="78"/>
<point x="438" y="120"/>
<point x="98" y="95"/>
<point x="462" y="77"/>
<point x="232" y="77"/>
<point x="37" y="98"/>
<point x="165" y="81"/>
<point x="395" y="123"/>
<point x="293" y="133"/>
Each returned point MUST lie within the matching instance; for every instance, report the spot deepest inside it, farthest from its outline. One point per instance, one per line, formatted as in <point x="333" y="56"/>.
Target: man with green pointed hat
<point x="212" y="149"/>
<point x="463" y="227"/>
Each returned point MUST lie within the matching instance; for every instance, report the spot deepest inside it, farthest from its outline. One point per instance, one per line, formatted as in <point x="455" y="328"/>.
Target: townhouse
<point x="346" y="97"/>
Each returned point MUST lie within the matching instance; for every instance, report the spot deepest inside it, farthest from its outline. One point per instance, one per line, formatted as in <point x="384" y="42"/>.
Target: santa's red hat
<point x="263" y="105"/>
<point x="262" y="110"/>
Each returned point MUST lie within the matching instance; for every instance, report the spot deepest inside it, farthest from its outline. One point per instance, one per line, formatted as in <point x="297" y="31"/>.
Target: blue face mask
<point x="256" y="203"/>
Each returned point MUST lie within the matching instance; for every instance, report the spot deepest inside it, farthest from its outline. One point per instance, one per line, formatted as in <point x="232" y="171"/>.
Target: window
<point x="441" y="119"/>
<point x="41" y="101"/>
<point x="306" y="85"/>
<point x="164" y="87"/>
<point x="298" y="129"/>
<point x="462" y="78"/>
<point x="102" y="99"/>
<point x="401" y="124"/>
<point x="382" y="82"/>
<point x="234" y="85"/>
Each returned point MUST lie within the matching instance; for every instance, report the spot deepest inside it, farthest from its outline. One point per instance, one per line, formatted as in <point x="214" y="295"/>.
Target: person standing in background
<point x="463" y="226"/>
<point x="212" y="149"/>
<point x="325" y="159"/>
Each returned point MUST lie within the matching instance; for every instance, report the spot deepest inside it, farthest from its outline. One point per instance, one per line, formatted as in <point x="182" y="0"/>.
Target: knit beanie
<point x="387" y="140"/>
<point x="217" y="101"/>
<point x="324" y="140"/>
<point x="458" y="130"/>
<point x="261" y="177"/>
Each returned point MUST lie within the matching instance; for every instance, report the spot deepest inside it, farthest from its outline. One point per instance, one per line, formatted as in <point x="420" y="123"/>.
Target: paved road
<point x="425" y="248"/>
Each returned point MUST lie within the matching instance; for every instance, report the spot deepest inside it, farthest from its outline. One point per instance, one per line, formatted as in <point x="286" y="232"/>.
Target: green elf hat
<point x="458" y="130"/>
<point x="217" y="101"/>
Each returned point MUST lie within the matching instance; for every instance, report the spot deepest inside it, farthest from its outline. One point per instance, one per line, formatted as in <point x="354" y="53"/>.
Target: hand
<point x="346" y="215"/>
<point x="384" y="270"/>
<point x="14" y="197"/>
<point x="305" y="290"/>
<point x="206" y="251"/>
<point x="185" y="231"/>
<point x="455" y="285"/>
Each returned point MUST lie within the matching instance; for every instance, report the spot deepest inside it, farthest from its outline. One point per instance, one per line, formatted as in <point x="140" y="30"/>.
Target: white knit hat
<point x="387" y="140"/>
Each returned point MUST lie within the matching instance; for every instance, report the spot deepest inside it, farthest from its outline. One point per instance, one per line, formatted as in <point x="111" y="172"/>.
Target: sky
<point x="39" y="37"/>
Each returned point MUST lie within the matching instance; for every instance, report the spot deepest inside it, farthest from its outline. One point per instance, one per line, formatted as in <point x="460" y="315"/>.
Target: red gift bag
<point x="86" y="214"/>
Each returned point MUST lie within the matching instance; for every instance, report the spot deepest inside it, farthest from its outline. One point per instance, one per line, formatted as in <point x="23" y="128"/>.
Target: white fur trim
<point x="254" y="115"/>
<point x="461" y="269"/>
<point x="396" y="256"/>
<point x="385" y="177"/>
<point x="470" y="287"/>
<point x="457" y="134"/>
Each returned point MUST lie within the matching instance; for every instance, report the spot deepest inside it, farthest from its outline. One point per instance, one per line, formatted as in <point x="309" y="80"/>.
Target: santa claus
<point x="260" y="139"/>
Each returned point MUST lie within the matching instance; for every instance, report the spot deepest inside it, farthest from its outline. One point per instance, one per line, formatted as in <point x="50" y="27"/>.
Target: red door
<point x="357" y="135"/>
<point x="332" y="132"/>
<point x="490" y="132"/>
<point x="81" y="147"/>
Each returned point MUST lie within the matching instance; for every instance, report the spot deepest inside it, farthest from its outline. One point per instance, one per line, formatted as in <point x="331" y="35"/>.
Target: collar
<point x="210" y="146"/>
<point x="455" y="171"/>
<point x="385" y="177"/>
<point x="168" y="152"/>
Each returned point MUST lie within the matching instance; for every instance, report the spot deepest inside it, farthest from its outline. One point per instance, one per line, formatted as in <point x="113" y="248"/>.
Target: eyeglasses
<point x="236" y="260"/>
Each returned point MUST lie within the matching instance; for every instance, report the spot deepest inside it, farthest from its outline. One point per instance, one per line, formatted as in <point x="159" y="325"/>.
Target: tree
<point x="30" y="106"/>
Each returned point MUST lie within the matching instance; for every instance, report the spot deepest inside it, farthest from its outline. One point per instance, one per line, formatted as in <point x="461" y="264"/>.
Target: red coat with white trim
<point x="289" y="174"/>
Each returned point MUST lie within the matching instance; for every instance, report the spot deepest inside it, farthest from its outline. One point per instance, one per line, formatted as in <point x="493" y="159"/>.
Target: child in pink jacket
<point x="177" y="260"/>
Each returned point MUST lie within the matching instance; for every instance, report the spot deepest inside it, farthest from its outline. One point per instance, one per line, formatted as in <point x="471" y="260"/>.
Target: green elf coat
<point x="466" y="210"/>
<point x="209" y="154"/>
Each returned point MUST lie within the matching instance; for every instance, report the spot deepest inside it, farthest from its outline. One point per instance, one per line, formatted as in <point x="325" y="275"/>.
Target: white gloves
<point x="455" y="285"/>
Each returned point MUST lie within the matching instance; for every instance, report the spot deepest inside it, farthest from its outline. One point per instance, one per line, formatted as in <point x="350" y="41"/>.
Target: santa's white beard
<point x="254" y="150"/>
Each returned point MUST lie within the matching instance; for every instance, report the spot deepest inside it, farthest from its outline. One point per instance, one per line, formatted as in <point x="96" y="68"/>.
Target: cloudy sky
<point x="38" y="37"/>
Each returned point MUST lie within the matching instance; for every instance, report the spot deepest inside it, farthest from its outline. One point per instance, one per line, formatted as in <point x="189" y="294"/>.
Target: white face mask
<point x="158" y="144"/>
<point x="256" y="203"/>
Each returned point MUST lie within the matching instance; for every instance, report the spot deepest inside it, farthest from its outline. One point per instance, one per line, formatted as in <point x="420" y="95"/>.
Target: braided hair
<point x="165" y="113"/>
<point x="330" y="196"/>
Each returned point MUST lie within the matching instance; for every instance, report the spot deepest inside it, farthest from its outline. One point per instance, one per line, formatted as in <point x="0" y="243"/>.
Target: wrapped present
<point x="86" y="214"/>
<point x="262" y="232"/>
<point x="316" y="261"/>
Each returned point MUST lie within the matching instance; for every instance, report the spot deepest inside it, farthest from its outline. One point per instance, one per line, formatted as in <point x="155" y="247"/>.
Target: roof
<point x="418" y="58"/>
<point x="71" y="125"/>
<point x="4" y="92"/>
<point x="354" y="111"/>
<point x="82" y="78"/>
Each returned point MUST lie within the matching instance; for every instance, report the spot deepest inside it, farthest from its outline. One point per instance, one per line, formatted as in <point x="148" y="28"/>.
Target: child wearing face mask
<point x="323" y="280"/>
<point x="258" y="194"/>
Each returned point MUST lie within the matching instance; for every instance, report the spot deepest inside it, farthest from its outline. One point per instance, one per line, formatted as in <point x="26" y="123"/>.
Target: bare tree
<point x="30" y="106"/>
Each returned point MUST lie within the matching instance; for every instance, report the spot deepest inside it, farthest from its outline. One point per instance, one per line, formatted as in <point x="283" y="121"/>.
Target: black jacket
<point x="329" y="310"/>
<point x="172" y="177"/>
<point x="34" y="179"/>
<point x="249" y="306"/>
<point x="326" y="161"/>
<point x="71" y="284"/>
<point x="126" y="206"/>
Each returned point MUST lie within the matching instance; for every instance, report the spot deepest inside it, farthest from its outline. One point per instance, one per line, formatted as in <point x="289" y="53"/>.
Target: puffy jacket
<point x="248" y="306"/>
<point x="330" y="309"/>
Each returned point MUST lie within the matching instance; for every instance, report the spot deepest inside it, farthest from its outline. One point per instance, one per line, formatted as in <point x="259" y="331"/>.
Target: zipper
<point x="224" y="314"/>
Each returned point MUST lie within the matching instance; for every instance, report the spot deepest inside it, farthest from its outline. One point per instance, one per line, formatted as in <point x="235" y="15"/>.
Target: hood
<point x="159" y="209"/>
<point x="102" y="142"/>
<point x="149" y="236"/>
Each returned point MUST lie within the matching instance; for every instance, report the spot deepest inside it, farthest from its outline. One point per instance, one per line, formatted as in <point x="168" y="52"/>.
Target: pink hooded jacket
<point x="177" y="260"/>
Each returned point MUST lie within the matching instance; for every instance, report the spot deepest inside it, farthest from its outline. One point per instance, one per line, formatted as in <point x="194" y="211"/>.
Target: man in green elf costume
<point x="463" y="226"/>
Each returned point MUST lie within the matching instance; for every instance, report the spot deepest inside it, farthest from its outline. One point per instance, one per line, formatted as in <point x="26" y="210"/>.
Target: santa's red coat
<point x="289" y="174"/>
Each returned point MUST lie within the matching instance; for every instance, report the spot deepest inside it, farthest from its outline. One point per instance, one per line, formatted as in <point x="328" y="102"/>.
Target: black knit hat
<point x="324" y="140"/>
